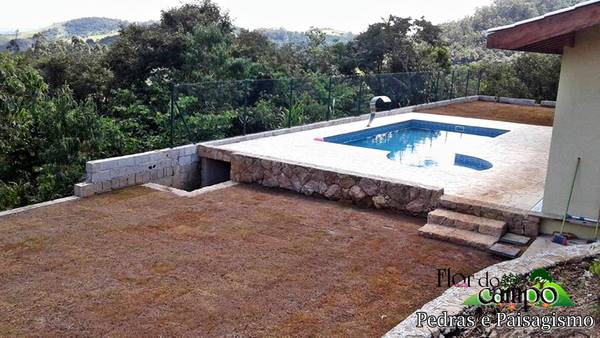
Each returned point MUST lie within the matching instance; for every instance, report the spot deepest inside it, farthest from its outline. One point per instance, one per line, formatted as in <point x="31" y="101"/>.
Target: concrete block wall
<point x="175" y="167"/>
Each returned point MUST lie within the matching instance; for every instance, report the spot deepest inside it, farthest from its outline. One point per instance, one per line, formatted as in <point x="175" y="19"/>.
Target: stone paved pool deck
<point x="516" y="180"/>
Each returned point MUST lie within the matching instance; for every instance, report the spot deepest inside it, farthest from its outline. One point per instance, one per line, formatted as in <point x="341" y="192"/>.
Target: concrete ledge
<point x="197" y="192"/>
<point x="488" y="98"/>
<point x="511" y="100"/>
<point x="452" y="300"/>
<point x="38" y="205"/>
<point x="545" y="103"/>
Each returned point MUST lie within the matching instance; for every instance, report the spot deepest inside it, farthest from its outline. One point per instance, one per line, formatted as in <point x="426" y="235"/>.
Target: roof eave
<point x="549" y="33"/>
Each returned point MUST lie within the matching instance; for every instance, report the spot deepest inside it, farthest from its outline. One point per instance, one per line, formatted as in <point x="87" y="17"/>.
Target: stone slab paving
<point x="451" y="300"/>
<point x="505" y="250"/>
<point x="516" y="180"/>
<point x="541" y="244"/>
<point x="515" y="239"/>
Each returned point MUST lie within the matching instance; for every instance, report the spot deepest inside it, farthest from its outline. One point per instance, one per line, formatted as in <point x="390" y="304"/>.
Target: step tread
<point x="458" y="236"/>
<point x="512" y="238"/>
<point x="468" y="218"/>
<point x="453" y="199"/>
<point x="486" y="226"/>
<point x="505" y="250"/>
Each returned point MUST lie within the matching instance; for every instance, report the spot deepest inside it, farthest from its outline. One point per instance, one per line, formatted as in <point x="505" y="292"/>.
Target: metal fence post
<point x="172" y="119"/>
<point x="478" y="80"/>
<point x="436" y="86"/>
<point x="452" y="86"/>
<point x="246" y="110"/>
<point x="328" y="117"/>
<point x="291" y="102"/>
<point x="359" y="101"/>
<point x="467" y="82"/>
<point x="410" y="93"/>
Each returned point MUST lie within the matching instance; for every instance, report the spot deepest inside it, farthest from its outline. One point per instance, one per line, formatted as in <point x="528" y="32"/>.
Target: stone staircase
<point x="464" y="228"/>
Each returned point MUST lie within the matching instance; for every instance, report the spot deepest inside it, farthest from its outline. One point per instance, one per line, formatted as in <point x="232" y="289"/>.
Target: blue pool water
<point x="423" y="143"/>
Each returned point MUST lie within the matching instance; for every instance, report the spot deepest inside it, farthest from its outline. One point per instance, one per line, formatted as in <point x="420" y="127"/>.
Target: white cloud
<point x="349" y="15"/>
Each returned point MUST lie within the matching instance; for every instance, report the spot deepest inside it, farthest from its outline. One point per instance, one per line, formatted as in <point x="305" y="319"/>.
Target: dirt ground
<point x="242" y="261"/>
<point x="498" y="111"/>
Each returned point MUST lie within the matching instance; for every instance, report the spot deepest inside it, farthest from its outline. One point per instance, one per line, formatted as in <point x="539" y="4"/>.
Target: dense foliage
<point x="63" y="103"/>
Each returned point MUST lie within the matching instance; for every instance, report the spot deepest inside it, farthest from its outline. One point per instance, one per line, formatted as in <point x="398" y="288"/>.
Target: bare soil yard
<point x="541" y="116"/>
<point x="240" y="261"/>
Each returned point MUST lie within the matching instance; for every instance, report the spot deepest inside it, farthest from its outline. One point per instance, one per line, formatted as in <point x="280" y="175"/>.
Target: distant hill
<point x="282" y="36"/>
<point x="94" y="28"/>
<point x="105" y="30"/>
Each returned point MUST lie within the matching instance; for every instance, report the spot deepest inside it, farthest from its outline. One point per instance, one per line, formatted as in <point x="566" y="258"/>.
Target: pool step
<point x="461" y="221"/>
<point x="458" y="236"/>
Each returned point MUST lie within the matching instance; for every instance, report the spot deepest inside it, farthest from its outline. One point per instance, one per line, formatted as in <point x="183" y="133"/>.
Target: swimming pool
<point x="423" y="143"/>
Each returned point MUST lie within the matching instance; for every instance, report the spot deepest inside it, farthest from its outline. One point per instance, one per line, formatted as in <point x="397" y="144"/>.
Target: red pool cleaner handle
<point x="560" y="239"/>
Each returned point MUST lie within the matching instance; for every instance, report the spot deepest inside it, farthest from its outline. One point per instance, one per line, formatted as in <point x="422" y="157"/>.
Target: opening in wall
<point x="213" y="172"/>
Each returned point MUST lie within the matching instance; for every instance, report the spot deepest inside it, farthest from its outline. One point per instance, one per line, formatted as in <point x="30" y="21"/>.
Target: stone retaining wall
<point x="174" y="167"/>
<point x="338" y="186"/>
<point x="451" y="301"/>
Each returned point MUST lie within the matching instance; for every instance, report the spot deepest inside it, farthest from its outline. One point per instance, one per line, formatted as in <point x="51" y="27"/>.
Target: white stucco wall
<point x="576" y="130"/>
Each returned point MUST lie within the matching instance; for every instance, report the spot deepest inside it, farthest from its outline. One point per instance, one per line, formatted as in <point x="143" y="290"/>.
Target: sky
<point x="299" y="15"/>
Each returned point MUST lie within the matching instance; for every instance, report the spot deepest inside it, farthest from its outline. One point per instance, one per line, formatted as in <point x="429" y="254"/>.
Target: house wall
<point x="576" y="130"/>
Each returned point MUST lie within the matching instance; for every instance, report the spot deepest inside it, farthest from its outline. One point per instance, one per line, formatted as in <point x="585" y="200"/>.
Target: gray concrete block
<point x="84" y="189"/>
<point x="155" y="174"/>
<point x="100" y="176"/>
<point x="106" y="186"/>
<point x="142" y="160"/>
<point x="546" y="103"/>
<point x="139" y="178"/>
<point x="511" y="100"/>
<point x="487" y="98"/>
<point x="130" y="180"/>
<point x="185" y="160"/>
<point x="126" y="161"/>
<point x="115" y="183"/>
